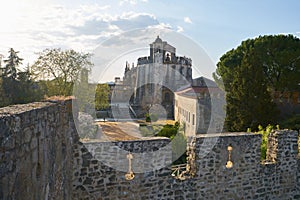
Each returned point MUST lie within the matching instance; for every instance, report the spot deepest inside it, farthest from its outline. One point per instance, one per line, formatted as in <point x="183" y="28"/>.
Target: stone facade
<point x="42" y="158"/>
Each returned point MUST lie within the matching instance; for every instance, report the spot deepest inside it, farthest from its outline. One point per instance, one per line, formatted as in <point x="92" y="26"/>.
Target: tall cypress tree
<point x="11" y="64"/>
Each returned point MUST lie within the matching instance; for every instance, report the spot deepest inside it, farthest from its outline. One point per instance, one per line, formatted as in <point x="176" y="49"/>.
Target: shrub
<point x="168" y="130"/>
<point x="265" y="133"/>
<point x="148" y="119"/>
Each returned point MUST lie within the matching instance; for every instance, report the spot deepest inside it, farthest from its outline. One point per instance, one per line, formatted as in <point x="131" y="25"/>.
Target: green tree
<point x="102" y="96"/>
<point x="62" y="68"/>
<point x="17" y="87"/>
<point x="9" y="76"/>
<point x="11" y="64"/>
<point x="279" y="57"/>
<point x="4" y="100"/>
<point x="251" y="72"/>
<point x="28" y="89"/>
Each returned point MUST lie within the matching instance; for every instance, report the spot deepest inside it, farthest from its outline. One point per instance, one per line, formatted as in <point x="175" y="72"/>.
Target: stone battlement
<point x="182" y="60"/>
<point x="42" y="158"/>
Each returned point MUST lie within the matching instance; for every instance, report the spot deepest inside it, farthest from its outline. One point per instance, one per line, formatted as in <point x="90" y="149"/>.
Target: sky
<point x="212" y="27"/>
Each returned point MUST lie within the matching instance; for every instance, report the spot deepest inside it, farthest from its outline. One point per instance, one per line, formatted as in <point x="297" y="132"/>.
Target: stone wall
<point x="100" y="168"/>
<point x="247" y="179"/>
<point x="41" y="158"/>
<point x="36" y="151"/>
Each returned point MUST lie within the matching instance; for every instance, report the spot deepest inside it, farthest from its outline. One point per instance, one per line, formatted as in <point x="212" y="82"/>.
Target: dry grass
<point x="159" y="122"/>
<point x="119" y="131"/>
<point x="58" y="98"/>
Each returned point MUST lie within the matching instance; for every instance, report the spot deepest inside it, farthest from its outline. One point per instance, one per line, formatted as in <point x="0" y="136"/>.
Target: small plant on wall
<point x="265" y="133"/>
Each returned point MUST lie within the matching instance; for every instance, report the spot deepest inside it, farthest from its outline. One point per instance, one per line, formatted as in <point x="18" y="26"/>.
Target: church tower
<point x="156" y="77"/>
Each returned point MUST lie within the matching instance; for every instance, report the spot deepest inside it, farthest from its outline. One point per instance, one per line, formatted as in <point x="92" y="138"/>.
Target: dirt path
<point x="117" y="131"/>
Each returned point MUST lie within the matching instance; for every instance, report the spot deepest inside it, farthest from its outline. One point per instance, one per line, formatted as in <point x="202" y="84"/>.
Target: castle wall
<point x="100" y="168"/>
<point x="36" y="151"/>
<point x="41" y="158"/>
<point x="247" y="179"/>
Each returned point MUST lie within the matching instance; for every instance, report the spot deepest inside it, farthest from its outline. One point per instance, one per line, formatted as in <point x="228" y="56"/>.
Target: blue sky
<point x="217" y="26"/>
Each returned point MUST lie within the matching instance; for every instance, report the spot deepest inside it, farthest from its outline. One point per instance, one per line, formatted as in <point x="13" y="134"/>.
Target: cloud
<point x="187" y="20"/>
<point x="81" y="29"/>
<point x="179" y="29"/>
<point x="91" y="27"/>
<point x="131" y="2"/>
<point x="161" y="26"/>
<point x="129" y="21"/>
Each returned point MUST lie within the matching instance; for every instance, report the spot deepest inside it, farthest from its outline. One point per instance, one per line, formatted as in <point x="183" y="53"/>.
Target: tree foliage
<point x="11" y="64"/>
<point x="61" y="68"/>
<point x="251" y="72"/>
<point x="265" y="132"/>
<point x="292" y="122"/>
<point x="17" y="87"/>
<point x="101" y="96"/>
<point x="4" y="100"/>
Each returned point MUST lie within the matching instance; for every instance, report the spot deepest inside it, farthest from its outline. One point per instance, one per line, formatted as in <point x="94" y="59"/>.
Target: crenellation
<point x="41" y="158"/>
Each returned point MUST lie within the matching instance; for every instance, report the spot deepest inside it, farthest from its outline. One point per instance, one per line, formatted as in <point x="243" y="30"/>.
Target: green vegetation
<point x="11" y="64"/>
<point x="291" y="123"/>
<point x="149" y="130"/>
<point x="265" y="133"/>
<point x="169" y="130"/>
<point x="101" y="96"/>
<point x="174" y="132"/>
<point x="250" y="74"/>
<point x="17" y="87"/>
<point x="53" y="74"/>
<point x="59" y="69"/>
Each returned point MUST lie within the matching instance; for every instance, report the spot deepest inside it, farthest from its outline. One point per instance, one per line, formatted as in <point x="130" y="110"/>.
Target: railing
<point x="178" y="170"/>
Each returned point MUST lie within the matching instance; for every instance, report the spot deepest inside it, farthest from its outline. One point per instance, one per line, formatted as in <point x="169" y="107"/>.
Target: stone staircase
<point x="123" y="111"/>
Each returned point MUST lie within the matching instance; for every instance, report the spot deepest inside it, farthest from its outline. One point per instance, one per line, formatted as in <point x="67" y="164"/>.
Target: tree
<point x="279" y="57"/>
<point x="61" y="68"/>
<point x="4" y="100"/>
<point x="11" y="64"/>
<point x="17" y="87"/>
<point x="9" y="82"/>
<point x="251" y="72"/>
<point x="28" y="89"/>
<point x="101" y="96"/>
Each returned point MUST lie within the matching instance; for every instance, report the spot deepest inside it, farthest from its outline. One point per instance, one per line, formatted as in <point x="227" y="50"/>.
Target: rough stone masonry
<point x="41" y="157"/>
